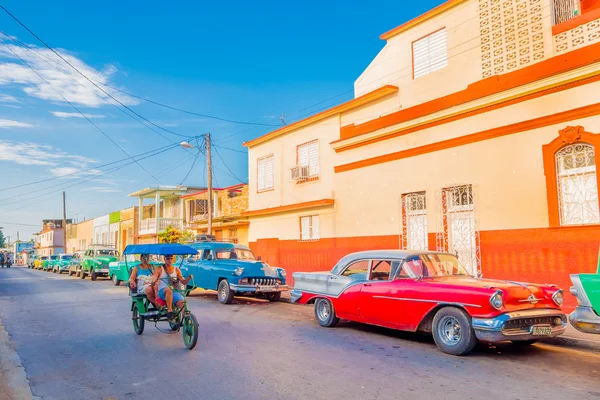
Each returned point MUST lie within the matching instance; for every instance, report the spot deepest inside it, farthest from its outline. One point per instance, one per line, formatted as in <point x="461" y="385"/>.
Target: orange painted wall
<point x="541" y="255"/>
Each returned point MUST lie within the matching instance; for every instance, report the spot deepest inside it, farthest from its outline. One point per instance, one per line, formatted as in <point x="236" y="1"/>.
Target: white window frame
<point x="310" y="230"/>
<point x="430" y="53"/>
<point x="263" y="184"/>
<point x="410" y="215"/>
<point x="312" y="158"/>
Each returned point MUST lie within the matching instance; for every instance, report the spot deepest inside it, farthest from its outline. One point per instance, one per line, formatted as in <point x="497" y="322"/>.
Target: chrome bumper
<point x="585" y="320"/>
<point x="496" y="330"/>
<point x="258" y="288"/>
<point x="295" y="295"/>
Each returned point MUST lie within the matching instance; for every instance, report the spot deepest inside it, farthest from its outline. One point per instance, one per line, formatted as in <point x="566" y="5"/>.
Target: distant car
<point x="96" y="260"/>
<point x="586" y="288"/>
<point x="75" y="263"/>
<point x="39" y="262"/>
<point x="232" y="270"/>
<point x="47" y="264"/>
<point x="61" y="264"/>
<point x="31" y="261"/>
<point x="431" y="292"/>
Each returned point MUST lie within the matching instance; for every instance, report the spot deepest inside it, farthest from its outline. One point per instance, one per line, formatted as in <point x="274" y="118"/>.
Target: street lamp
<point x="188" y="145"/>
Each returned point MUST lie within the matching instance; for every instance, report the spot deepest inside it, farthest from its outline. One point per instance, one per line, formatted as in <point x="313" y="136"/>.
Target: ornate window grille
<point x="577" y="185"/>
<point x="564" y="10"/>
<point x="458" y="233"/>
<point x="414" y="221"/>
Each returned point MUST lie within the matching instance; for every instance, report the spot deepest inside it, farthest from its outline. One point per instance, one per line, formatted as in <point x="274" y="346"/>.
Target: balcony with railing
<point x="576" y="24"/>
<point x="565" y="10"/>
<point x="148" y="226"/>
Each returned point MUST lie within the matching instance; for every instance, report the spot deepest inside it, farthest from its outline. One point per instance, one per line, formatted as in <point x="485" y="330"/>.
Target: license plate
<point x="266" y="289"/>
<point x="542" y="330"/>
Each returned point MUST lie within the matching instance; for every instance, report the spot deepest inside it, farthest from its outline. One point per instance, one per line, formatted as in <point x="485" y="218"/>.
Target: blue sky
<point x="237" y="60"/>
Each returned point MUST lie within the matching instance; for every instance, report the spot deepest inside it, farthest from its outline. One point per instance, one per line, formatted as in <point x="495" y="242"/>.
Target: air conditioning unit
<point x="300" y="173"/>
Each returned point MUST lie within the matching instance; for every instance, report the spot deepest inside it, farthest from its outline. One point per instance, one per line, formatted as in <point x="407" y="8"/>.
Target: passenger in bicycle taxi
<point x="141" y="278"/>
<point x="169" y="275"/>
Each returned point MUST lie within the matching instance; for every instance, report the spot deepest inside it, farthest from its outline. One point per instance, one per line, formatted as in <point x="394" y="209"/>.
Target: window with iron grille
<point x="265" y="175"/>
<point x="308" y="156"/>
<point x="430" y="54"/>
<point x="309" y="228"/>
<point x="564" y="10"/>
<point x="577" y="185"/>
<point x="414" y="221"/>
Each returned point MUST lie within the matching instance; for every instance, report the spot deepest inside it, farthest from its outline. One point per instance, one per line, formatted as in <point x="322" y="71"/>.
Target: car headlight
<point x="558" y="297"/>
<point x="239" y="271"/>
<point x="496" y="300"/>
<point x="283" y="273"/>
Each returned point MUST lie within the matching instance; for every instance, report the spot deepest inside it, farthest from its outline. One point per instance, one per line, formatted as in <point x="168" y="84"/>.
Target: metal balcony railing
<point x="564" y="10"/>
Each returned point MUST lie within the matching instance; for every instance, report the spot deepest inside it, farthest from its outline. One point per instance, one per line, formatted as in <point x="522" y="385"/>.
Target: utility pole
<point x="209" y="182"/>
<point x="64" y="223"/>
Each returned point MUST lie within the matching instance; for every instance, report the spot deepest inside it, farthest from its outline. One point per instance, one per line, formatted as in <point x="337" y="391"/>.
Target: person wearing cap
<point x="166" y="276"/>
<point x="141" y="279"/>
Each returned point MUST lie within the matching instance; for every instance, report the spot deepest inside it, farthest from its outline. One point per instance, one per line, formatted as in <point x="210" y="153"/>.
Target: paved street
<point x="76" y="341"/>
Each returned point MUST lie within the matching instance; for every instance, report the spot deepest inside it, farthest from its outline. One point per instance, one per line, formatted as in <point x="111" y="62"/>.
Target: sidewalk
<point x="13" y="381"/>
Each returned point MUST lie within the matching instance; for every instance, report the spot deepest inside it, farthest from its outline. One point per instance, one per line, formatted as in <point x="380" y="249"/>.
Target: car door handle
<point x="367" y="284"/>
<point x="333" y="277"/>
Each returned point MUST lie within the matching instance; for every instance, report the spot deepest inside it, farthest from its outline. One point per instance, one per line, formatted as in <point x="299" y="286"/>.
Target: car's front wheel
<point x="82" y="273"/>
<point x="272" y="297"/>
<point x="116" y="281"/>
<point x="452" y="331"/>
<point x="93" y="275"/>
<point x="325" y="313"/>
<point x="225" y="292"/>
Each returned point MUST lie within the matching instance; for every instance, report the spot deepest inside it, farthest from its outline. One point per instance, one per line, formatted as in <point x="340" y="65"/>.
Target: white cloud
<point x="61" y="114"/>
<point x="4" y="98"/>
<point x="68" y="82"/>
<point x="7" y="123"/>
<point x="70" y="171"/>
<point x="27" y="153"/>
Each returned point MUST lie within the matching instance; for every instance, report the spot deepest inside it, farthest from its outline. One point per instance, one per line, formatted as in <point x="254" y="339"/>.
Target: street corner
<point x="13" y="379"/>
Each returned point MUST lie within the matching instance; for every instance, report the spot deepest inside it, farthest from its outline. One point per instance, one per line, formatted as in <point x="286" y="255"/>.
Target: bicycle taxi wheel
<point x="189" y="329"/>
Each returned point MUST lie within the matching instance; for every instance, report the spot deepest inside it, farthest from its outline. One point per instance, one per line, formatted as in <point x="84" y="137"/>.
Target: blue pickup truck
<point x="231" y="270"/>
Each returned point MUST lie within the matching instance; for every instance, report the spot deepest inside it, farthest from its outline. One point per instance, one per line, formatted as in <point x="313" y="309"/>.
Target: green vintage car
<point x="586" y="288"/>
<point x="61" y="264"/>
<point x="119" y="271"/>
<point x="47" y="263"/>
<point x="96" y="260"/>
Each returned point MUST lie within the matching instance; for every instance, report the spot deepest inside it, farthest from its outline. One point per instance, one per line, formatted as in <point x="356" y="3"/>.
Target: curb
<point x="12" y="371"/>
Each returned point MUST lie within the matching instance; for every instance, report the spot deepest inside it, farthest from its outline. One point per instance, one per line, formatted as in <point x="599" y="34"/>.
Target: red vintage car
<point x="431" y="292"/>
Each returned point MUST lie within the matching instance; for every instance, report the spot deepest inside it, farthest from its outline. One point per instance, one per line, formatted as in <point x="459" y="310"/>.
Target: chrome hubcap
<point x="449" y="330"/>
<point x="323" y="310"/>
<point x="224" y="292"/>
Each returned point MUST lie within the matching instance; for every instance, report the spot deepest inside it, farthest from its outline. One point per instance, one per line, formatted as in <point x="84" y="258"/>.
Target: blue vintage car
<point x="232" y="269"/>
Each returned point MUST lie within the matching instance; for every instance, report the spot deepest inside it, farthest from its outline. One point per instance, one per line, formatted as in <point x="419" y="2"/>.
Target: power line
<point x="75" y="108"/>
<point x="227" y="166"/>
<point x="191" y="168"/>
<point x="230" y="149"/>
<point x="85" y="76"/>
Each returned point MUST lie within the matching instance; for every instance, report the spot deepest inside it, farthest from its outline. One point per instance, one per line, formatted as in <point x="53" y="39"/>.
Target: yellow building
<point x="80" y="235"/>
<point x="474" y="130"/>
<point x="229" y="205"/>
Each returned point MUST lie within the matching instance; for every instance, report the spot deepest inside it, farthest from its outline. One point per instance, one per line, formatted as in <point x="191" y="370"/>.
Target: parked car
<point x="31" y="261"/>
<point x="75" y="263"/>
<point x="96" y="260"/>
<point x="61" y="264"/>
<point x="39" y="262"/>
<point x="232" y="269"/>
<point x="431" y="292"/>
<point x="47" y="264"/>
<point x="119" y="271"/>
<point x="586" y="288"/>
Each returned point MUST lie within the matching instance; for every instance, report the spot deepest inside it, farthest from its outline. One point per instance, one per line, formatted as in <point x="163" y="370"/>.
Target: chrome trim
<point x="580" y="294"/>
<point x="559" y="291"/>
<point x="585" y="320"/>
<point x="295" y="295"/>
<point x="277" y="288"/>
<point x="497" y="292"/>
<point x="492" y="329"/>
<point x="531" y="299"/>
<point x="428" y="301"/>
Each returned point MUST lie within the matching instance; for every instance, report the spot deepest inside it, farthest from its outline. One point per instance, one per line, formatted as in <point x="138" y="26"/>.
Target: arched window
<point x="577" y="185"/>
<point x="572" y="180"/>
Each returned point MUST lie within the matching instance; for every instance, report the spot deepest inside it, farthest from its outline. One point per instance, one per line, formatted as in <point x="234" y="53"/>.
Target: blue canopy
<point x="160" y="249"/>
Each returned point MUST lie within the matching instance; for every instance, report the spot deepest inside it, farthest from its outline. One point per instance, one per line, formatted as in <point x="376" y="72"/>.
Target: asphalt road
<point x="76" y="341"/>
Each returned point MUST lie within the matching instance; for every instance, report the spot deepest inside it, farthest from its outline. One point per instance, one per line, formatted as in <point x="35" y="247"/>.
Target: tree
<point x="172" y="235"/>
<point x="2" y="239"/>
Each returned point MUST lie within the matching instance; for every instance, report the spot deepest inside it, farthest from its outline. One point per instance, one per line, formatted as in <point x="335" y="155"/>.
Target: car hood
<point x="105" y="260"/>
<point x="253" y="268"/>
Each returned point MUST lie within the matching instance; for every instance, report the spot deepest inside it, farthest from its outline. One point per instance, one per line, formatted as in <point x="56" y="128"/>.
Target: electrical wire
<point x="76" y="109"/>
<point x="191" y="168"/>
<point x="226" y="166"/>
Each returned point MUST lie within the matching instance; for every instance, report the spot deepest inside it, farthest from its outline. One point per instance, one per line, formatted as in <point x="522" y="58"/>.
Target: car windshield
<point x="106" y="253"/>
<point x="432" y="265"/>
<point x="53" y="257"/>
<point x="66" y="257"/>
<point x="234" y="254"/>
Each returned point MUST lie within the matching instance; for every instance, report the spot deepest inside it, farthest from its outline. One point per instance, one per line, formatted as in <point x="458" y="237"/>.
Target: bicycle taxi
<point x="143" y="310"/>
